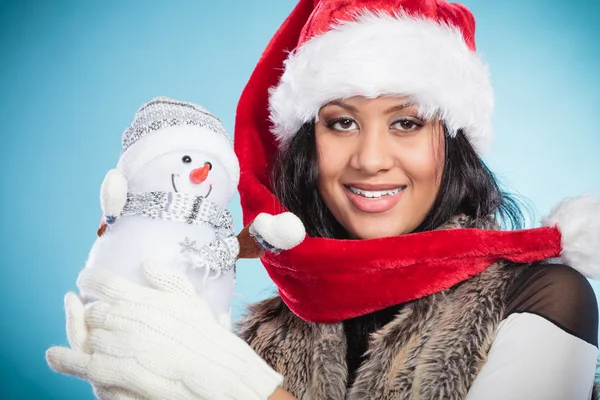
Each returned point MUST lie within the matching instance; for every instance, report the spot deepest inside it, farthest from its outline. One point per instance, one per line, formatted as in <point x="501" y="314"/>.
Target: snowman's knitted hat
<point x="147" y="137"/>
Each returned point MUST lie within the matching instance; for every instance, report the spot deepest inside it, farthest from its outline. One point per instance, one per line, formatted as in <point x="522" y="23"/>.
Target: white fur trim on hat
<point x="382" y="54"/>
<point x="179" y="138"/>
<point x="578" y="220"/>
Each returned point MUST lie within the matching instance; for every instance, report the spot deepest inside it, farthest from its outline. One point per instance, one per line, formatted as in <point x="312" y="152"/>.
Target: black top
<point x="555" y="292"/>
<point x="559" y="294"/>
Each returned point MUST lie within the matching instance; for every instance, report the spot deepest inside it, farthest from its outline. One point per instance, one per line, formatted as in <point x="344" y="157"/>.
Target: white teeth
<point x="375" y="194"/>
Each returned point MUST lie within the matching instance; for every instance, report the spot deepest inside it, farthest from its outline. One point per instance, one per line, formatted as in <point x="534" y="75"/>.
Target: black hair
<point x="467" y="187"/>
<point x="294" y="181"/>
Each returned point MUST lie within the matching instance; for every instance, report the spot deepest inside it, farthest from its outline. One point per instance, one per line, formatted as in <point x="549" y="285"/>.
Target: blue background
<point x="73" y="73"/>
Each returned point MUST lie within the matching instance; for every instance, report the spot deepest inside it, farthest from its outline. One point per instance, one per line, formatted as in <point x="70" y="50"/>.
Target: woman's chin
<point x="376" y="231"/>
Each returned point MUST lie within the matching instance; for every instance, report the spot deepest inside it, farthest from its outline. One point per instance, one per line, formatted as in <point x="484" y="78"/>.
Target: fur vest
<point x="433" y="348"/>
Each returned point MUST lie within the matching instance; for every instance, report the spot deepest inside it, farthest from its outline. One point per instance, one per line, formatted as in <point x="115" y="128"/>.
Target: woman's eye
<point x="406" y="125"/>
<point x="186" y="159"/>
<point x="343" y="124"/>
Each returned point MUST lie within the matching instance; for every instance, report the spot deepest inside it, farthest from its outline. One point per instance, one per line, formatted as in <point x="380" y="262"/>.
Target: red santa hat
<point x="423" y="49"/>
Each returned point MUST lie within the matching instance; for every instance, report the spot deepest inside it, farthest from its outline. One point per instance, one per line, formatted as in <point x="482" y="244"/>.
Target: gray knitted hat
<point x="147" y="136"/>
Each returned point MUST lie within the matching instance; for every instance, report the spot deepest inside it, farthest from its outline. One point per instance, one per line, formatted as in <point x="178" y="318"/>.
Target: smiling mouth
<point x="375" y="194"/>
<point x="175" y="187"/>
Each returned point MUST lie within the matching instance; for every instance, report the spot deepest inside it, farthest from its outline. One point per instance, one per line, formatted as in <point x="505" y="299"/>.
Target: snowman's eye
<point x="209" y="165"/>
<point x="186" y="159"/>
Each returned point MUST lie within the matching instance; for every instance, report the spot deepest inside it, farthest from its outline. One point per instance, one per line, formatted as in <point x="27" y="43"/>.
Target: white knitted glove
<point x="161" y="343"/>
<point x="77" y="335"/>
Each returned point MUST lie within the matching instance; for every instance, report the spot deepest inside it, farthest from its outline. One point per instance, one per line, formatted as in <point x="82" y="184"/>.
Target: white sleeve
<point x="532" y="358"/>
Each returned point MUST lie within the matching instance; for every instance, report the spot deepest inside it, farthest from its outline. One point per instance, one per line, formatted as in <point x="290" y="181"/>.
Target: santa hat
<point x="331" y="49"/>
<point x="424" y="50"/>
<point x="148" y="137"/>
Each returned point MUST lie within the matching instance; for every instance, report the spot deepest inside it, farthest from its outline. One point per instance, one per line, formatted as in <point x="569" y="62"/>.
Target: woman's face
<point x="380" y="164"/>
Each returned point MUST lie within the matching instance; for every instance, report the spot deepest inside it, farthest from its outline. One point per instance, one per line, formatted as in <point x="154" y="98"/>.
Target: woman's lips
<point x="373" y="204"/>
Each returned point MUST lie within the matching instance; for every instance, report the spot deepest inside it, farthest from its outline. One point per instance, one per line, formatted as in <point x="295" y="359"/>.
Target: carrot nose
<point x="199" y="175"/>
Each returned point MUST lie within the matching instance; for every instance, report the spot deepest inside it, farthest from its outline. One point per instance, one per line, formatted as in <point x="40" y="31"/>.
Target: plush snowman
<point x="166" y="201"/>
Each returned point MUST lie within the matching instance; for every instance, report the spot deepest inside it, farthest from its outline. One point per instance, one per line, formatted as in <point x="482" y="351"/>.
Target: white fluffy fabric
<point x="160" y="344"/>
<point x="578" y="220"/>
<point x="381" y="54"/>
<point x="113" y="193"/>
<point x="179" y="138"/>
<point x="283" y="231"/>
<point x="134" y="239"/>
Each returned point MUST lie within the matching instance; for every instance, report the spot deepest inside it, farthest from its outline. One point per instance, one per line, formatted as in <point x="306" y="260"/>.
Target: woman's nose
<point x="373" y="151"/>
<point x="199" y="175"/>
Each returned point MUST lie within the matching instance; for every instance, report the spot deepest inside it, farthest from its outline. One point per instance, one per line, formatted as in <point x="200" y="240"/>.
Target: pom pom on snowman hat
<point x="578" y="222"/>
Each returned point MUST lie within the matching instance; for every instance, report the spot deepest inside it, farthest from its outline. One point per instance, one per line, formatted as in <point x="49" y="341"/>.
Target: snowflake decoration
<point x="188" y="246"/>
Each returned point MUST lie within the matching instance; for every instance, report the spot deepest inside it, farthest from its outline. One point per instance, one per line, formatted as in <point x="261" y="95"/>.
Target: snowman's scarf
<point x="179" y="207"/>
<point x="217" y="256"/>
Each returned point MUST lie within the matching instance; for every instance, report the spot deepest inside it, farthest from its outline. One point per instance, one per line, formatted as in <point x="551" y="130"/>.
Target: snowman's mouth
<point x="209" y="190"/>
<point x="173" y="182"/>
<point x="175" y="186"/>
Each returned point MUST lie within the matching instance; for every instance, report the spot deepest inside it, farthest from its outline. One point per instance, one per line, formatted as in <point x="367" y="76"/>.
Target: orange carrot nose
<point x="199" y="175"/>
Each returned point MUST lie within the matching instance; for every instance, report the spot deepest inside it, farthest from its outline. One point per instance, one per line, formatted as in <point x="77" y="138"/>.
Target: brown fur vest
<point x="433" y="348"/>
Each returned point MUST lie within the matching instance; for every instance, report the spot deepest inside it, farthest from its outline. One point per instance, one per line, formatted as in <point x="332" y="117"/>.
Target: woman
<point x="379" y="117"/>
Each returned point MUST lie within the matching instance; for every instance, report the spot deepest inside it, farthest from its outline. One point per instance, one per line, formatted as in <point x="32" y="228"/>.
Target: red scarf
<point x="330" y="280"/>
<point x="326" y="280"/>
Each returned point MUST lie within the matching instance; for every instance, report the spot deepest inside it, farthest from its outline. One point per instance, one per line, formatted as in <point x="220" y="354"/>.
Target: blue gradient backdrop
<point x="73" y="73"/>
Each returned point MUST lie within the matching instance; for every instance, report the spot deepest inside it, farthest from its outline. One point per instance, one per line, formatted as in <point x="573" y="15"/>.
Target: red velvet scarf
<point x="325" y="280"/>
<point x="330" y="280"/>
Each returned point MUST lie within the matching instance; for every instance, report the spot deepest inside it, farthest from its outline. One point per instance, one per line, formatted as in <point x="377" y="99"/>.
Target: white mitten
<point x="113" y="195"/>
<point x="161" y="343"/>
<point x="77" y="335"/>
<point x="278" y="232"/>
<point x="116" y="393"/>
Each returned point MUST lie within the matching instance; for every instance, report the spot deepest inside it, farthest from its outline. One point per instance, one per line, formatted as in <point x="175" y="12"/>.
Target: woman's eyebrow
<point x="342" y="104"/>
<point x="350" y="107"/>
<point x="399" y="107"/>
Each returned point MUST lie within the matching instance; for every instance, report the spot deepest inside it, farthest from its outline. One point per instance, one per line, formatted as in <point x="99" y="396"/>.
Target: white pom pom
<point x="113" y="193"/>
<point x="578" y="220"/>
<point x="282" y="231"/>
